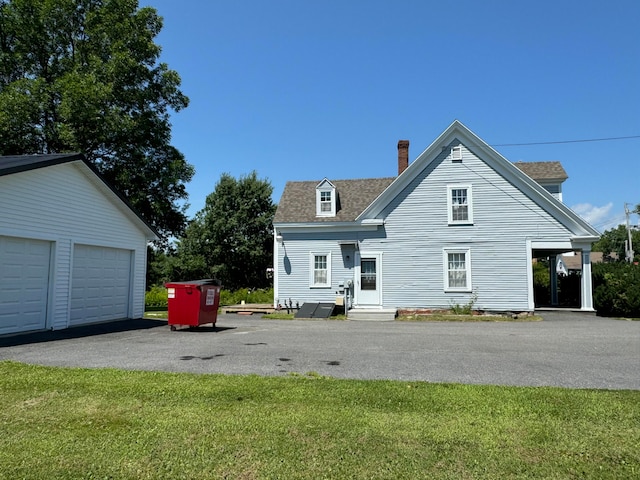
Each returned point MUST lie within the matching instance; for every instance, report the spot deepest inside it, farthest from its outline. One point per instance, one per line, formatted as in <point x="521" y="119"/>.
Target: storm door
<point x="368" y="285"/>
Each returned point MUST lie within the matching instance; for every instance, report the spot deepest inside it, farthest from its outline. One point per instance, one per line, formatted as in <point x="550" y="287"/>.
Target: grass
<point x="79" y="423"/>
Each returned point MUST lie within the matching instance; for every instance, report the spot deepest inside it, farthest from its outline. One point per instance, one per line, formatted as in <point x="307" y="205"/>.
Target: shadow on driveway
<point x="79" y="332"/>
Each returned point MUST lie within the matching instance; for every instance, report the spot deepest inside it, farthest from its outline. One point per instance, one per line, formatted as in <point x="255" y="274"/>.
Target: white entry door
<point x="368" y="283"/>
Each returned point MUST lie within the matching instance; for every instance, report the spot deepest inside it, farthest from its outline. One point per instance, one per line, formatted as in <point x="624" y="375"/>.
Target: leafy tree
<point x="614" y="241"/>
<point x="230" y="239"/>
<point x="83" y="75"/>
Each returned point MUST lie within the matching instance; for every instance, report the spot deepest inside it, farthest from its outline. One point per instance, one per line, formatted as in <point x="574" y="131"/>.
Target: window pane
<point x="368" y="274"/>
<point x="320" y="272"/>
<point x="325" y="206"/>
<point x="459" y="205"/>
<point x="457" y="270"/>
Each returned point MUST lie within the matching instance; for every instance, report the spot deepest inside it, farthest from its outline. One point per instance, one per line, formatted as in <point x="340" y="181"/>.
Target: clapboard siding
<point x="294" y="267"/>
<point x="61" y="283"/>
<point x="416" y="231"/>
<point x="68" y="204"/>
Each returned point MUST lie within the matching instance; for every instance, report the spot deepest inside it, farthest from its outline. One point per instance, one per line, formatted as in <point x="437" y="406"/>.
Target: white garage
<point x="72" y="250"/>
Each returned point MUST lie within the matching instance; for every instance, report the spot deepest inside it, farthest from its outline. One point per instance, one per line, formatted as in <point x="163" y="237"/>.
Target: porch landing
<point x="372" y="314"/>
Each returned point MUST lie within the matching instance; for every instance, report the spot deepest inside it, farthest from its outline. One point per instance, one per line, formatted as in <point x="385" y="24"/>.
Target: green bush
<point x="156" y="296"/>
<point x="616" y="289"/>
<point x="260" y="295"/>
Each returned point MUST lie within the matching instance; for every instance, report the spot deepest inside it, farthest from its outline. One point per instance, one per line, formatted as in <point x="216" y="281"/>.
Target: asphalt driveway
<point x="567" y="350"/>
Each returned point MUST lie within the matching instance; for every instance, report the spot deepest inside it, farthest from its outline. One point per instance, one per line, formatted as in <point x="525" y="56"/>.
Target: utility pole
<point x="628" y="244"/>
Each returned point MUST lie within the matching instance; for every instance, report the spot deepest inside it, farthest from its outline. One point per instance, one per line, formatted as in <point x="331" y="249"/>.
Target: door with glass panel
<point x="368" y="283"/>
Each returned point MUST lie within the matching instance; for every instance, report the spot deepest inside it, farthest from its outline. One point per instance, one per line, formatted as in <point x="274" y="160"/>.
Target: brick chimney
<point x="403" y="155"/>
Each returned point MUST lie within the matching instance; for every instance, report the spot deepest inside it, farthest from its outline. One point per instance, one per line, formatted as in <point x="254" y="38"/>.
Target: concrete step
<point x="372" y="314"/>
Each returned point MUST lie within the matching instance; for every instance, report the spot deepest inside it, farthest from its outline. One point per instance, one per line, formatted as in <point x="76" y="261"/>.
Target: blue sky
<point x="302" y="89"/>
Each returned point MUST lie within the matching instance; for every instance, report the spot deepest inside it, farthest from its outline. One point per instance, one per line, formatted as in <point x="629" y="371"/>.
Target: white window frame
<point x="324" y="187"/>
<point x="450" y="206"/>
<point x="312" y="270"/>
<point x="324" y="202"/>
<point x="467" y="269"/>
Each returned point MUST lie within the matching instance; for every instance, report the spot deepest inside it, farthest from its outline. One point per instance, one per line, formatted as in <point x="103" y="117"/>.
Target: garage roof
<point x="11" y="164"/>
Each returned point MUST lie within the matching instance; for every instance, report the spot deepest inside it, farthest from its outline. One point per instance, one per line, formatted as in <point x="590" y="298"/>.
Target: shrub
<point x="156" y="296"/>
<point x="260" y="295"/>
<point x="616" y="289"/>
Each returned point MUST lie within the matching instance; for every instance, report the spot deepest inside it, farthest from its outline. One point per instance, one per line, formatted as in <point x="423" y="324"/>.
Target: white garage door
<point x="100" y="282"/>
<point x="24" y="284"/>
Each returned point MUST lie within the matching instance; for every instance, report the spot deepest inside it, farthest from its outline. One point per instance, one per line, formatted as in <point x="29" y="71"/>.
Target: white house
<point x="459" y="224"/>
<point x="72" y="250"/>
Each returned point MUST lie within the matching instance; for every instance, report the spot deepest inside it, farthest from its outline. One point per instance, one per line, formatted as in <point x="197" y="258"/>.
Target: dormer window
<point x="325" y="202"/>
<point x="325" y="199"/>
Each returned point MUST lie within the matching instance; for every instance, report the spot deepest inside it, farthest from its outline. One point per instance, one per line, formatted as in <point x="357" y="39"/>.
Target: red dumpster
<point x="193" y="303"/>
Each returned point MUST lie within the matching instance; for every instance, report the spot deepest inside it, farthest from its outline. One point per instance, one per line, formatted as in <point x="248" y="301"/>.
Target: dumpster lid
<point x="206" y="281"/>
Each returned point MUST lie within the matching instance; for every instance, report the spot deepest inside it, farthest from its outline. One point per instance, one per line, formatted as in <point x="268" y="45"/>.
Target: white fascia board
<point x="328" y="226"/>
<point x="584" y="242"/>
<point x="324" y="182"/>
<point x="552" y="245"/>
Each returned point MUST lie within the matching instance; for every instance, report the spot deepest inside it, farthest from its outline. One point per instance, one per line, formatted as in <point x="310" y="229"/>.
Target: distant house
<point x="459" y="224"/>
<point x="72" y="250"/>
<point x="573" y="263"/>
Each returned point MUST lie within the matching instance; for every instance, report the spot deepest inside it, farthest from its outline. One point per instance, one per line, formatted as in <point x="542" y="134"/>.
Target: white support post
<point x="553" y="277"/>
<point x="586" y="283"/>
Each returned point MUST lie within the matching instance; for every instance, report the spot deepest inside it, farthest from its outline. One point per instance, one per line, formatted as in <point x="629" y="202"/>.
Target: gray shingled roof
<point x="298" y="201"/>
<point x="21" y="163"/>
<point x="541" y="171"/>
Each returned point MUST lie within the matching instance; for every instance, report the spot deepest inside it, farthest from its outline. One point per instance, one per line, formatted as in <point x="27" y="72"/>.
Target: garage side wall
<point x="67" y="205"/>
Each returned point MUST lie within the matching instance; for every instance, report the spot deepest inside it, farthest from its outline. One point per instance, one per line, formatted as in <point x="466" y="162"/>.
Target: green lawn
<point x="77" y="423"/>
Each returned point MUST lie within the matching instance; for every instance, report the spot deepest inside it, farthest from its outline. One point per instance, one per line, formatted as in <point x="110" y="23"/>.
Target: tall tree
<point x="230" y="239"/>
<point x="613" y="241"/>
<point x="84" y="75"/>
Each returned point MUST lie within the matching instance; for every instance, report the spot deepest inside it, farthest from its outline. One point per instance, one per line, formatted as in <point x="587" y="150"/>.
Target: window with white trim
<point x="459" y="204"/>
<point x="320" y="270"/>
<point x="457" y="270"/>
<point x="325" y="199"/>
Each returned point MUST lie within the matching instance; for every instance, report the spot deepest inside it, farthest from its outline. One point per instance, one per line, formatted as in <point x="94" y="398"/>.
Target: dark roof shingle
<point x="21" y="163"/>
<point x="541" y="171"/>
<point x="298" y="201"/>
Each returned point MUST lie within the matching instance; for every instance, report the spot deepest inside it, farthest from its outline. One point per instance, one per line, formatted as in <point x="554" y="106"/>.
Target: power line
<point x="608" y="139"/>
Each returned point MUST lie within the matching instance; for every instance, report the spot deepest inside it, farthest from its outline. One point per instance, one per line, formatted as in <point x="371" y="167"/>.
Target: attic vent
<point x="456" y="154"/>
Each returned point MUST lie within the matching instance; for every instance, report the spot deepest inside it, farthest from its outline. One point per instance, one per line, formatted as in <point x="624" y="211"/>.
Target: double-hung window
<point x="320" y="270"/>
<point x="459" y="205"/>
<point x="457" y="270"/>
<point x="325" y="202"/>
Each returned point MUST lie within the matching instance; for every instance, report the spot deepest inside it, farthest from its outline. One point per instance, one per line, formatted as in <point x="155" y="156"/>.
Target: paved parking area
<point x="568" y="350"/>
